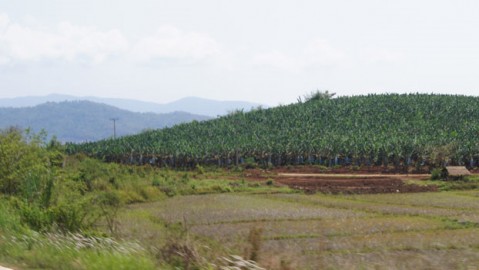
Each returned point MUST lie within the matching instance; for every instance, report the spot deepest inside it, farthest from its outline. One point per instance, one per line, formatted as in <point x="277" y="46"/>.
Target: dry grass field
<point x="433" y="230"/>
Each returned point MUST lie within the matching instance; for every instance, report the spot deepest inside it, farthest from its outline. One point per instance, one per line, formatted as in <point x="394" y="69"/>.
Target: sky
<point x="265" y="51"/>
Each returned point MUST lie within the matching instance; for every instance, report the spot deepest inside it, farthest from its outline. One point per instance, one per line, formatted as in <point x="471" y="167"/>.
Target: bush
<point x="9" y="218"/>
<point x="323" y="168"/>
<point x="72" y="217"/>
<point x="109" y="204"/>
<point x="156" y="182"/>
<point x="200" y="169"/>
<point x="250" y="163"/>
<point x="150" y="193"/>
<point x="169" y="191"/>
<point x="24" y="164"/>
<point x="91" y="170"/>
<point x="129" y="196"/>
<point x="35" y="217"/>
<point x="436" y="174"/>
<point x="185" y="178"/>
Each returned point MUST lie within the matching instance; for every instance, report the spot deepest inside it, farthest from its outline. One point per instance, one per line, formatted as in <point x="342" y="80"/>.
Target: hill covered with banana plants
<point x="388" y="129"/>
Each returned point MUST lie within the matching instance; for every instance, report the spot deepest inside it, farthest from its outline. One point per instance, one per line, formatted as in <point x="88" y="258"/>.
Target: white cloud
<point x="381" y="56"/>
<point x="316" y="54"/>
<point x="4" y="60"/>
<point x="72" y="43"/>
<point x="66" y="42"/>
<point x="278" y="60"/>
<point x="321" y="53"/>
<point x="4" y="20"/>
<point x="171" y="43"/>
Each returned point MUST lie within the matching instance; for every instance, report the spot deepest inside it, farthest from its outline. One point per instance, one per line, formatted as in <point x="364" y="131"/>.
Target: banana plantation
<point x="391" y="129"/>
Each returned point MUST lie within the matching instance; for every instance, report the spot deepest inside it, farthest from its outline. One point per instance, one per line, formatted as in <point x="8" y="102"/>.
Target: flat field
<point x="430" y="230"/>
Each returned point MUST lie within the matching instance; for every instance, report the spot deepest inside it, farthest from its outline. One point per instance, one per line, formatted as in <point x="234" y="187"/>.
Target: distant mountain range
<point x="79" y="121"/>
<point x="193" y="105"/>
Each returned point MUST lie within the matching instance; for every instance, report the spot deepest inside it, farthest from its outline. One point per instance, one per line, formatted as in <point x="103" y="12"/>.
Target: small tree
<point x="318" y="95"/>
<point x="109" y="204"/>
<point x="24" y="164"/>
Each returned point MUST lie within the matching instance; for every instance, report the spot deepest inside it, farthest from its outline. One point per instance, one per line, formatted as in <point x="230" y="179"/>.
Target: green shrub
<point x="91" y="170"/>
<point x="156" y="182"/>
<point x="185" y="178"/>
<point x="250" y="163"/>
<point x="130" y="196"/>
<point x="76" y="212"/>
<point x="436" y="174"/>
<point x="25" y="166"/>
<point x="169" y="191"/>
<point x="35" y="217"/>
<point x="323" y="168"/>
<point x="109" y="204"/>
<point x="9" y="218"/>
<point x="150" y="193"/>
<point x="238" y="169"/>
<point x="200" y="169"/>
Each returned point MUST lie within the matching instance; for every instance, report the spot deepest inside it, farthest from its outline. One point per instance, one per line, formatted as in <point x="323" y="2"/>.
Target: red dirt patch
<point x="356" y="185"/>
<point x="342" y="180"/>
<point x="350" y="170"/>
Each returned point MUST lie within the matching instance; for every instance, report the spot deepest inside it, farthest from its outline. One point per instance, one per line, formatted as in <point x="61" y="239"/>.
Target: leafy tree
<point x="24" y="165"/>
<point x="318" y="95"/>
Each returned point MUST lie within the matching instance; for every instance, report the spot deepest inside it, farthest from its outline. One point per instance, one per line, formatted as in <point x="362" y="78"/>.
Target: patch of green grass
<point x="221" y="185"/>
<point x="469" y="183"/>
<point x="447" y="200"/>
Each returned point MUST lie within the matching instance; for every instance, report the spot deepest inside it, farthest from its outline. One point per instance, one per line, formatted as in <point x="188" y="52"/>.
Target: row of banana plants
<point x="408" y="129"/>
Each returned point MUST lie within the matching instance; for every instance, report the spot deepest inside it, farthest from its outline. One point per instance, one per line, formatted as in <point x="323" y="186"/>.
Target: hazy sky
<point x="268" y="51"/>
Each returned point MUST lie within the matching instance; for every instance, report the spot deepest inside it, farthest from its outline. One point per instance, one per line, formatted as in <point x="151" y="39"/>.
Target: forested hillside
<point x="79" y="121"/>
<point x="413" y="129"/>
<point x="193" y="105"/>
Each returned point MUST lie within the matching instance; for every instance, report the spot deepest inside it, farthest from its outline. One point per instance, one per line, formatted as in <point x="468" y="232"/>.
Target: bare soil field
<point x="344" y="180"/>
<point x="357" y="184"/>
<point x="351" y="170"/>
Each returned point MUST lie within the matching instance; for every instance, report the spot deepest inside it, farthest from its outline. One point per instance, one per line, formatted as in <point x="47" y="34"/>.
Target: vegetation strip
<point x="410" y="130"/>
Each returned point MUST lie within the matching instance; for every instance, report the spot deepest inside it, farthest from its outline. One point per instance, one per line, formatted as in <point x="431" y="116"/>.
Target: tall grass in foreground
<point x="73" y="251"/>
<point x="30" y="249"/>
